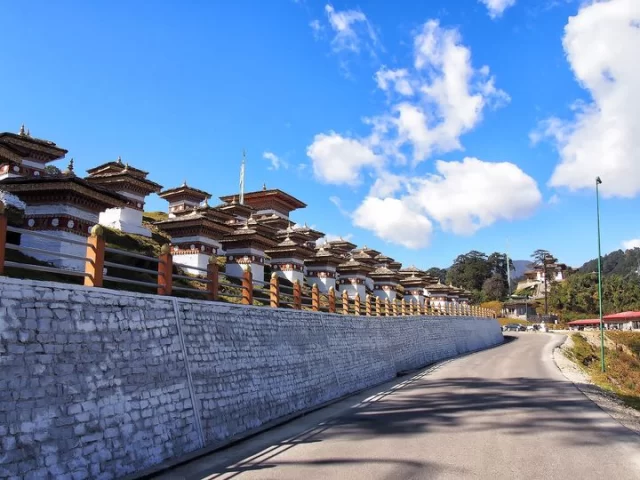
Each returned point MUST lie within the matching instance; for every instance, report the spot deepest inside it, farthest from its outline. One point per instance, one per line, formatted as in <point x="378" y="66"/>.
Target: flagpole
<point x="244" y="154"/>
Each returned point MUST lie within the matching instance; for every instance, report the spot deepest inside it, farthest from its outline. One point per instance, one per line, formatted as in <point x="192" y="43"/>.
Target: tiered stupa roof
<point x="122" y="177"/>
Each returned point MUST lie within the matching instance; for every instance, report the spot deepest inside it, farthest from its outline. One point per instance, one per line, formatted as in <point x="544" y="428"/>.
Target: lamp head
<point x="598" y="181"/>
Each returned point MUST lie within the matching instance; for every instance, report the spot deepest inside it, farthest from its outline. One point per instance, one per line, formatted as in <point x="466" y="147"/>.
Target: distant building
<point x="534" y="280"/>
<point x="520" y="309"/>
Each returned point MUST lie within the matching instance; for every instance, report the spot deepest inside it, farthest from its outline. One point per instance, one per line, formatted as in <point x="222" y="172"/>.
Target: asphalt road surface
<point x="504" y="413"/>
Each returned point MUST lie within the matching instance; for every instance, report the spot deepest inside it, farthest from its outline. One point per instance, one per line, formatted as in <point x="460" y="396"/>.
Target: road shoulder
<point x="607" y="401"/>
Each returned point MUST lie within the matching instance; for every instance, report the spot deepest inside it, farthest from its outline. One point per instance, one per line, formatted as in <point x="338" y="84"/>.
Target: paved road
<point x="505" y="413"/>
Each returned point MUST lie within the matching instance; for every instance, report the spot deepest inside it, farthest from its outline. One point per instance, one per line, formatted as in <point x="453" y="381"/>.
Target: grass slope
<point x="622" y="360"/>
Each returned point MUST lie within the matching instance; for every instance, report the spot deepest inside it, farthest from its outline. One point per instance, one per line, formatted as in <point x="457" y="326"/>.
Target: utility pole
<point x="598" y="182"/>
<point x="508" y="270"/>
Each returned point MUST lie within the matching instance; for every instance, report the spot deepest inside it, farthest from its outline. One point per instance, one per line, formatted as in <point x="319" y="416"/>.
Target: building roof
<point x="289" y="248"/>
<point x="184" y="191"/>
<point x="274" y="198"/>
<point x="596" y="321"/>
<point x="354" y="266"/>
<point x="54" y="188"/>
<point x="111" y="173"/>
<point x="341" y="245"/>
<point x="24" y="144"/>
<point x="194" y="222"/>
<point x="311" y="233"/>
<point x="623" y="316"/>
<point x="384" y="272"/>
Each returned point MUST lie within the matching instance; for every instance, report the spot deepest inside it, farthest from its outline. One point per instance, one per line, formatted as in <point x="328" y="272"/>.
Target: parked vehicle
<point x="514" y="327"/>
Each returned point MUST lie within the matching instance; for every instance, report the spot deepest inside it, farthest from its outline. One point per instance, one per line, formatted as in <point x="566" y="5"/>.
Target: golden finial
<point x="264" y="187"/>
<point x="184" y="182"/>
<point x="28" y="133"/>
<point x="22" y="129"/>
<point x="119" y="159"/>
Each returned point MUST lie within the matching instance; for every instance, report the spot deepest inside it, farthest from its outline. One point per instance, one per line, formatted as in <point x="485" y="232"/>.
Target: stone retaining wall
<point x="99" y="384"/>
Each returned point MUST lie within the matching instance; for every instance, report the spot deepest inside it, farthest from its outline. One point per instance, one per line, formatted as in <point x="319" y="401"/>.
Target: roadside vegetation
<point x="622" y="360"/>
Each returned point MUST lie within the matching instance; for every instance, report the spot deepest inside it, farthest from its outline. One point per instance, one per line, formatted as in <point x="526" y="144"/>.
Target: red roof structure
<point x="596" y="321"/>
<point x="623" y="316"/>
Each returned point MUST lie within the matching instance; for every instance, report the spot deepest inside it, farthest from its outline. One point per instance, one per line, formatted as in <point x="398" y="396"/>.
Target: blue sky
<point x="315" y="89"/>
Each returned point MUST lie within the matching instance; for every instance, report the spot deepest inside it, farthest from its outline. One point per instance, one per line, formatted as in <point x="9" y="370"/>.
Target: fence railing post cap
<point x="274" y="275"/>
<point x="331" y="289"/>
<point x="213" y="259"/>
<point x="2" y="208"/>
<point x="246" y="267"/>
<point x="97" y="230"/>
<point x="164" y="249"/>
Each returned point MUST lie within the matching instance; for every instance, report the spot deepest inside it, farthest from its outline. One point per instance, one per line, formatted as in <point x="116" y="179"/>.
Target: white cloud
<point x="352" y="29"/>
<point x="338" y="203"/>
<point x="603" y="138"/>
<point x="387" y="184"/>
<point x="468" y="195"/>
<point x="276" y="162"/>
<point x="337" y="159"/>
<point x="629" y="244"/>
<point x="462" y="197"/>
<point x="317" y="28"/>
<point x="497" y="7"/>
<point x="395" y="221"/>
<point x="398" y="79"/>
<point x="554" y="200"/>
<point x="450" y="96"/>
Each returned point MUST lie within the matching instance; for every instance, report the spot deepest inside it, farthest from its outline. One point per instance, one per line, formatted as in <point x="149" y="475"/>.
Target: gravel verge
<point x="607" y="401"/>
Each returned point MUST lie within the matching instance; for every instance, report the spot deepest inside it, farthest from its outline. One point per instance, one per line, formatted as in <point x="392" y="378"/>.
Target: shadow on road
<point x="514" y="406"/>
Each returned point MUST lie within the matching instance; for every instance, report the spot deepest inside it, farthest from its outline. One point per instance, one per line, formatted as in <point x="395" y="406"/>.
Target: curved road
<point x="504" y="413"/>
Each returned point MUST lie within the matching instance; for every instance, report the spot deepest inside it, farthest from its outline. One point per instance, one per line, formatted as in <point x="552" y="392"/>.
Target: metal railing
<point x="99" y="265"/>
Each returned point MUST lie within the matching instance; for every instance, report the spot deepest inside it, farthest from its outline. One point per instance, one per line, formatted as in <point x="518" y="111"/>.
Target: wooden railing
<point x="273" y="293"/>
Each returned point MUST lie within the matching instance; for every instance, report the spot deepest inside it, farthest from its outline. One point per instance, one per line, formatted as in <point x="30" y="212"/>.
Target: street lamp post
<point x="598" y="182"/>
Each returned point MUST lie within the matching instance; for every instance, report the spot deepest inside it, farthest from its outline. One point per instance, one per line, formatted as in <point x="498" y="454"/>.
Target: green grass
<point x="622" y="360"/>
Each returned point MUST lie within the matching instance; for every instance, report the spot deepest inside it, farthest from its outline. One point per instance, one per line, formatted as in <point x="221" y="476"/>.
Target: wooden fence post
<point x="315" y="298"/>
<point x="345" y="303"/>
<point x="165" y="271"/>
<point x="378" y="306"/>
<point x="332" y="300"/>
<point x="247" y="286"/>
<point x="367" y="305"/>
<point x="297" y="296"/>
<point x="356" y="305"/>
<point x="387" y="307"/>
<point x="212" y="277"/>
<point x="94" y="265"/>
<point x="3" y="236"/>
<point x="274" y="291"/>
<point x="403" y="307"/>
<point x="394" y="307"/>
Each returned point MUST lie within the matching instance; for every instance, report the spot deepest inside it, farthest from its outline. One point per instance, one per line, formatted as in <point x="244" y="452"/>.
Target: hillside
<point x="623" y="263"/>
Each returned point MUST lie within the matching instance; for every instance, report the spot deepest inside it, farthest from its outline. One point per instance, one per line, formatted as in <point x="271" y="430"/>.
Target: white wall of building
<point x="324" y="283"/>
<point x="57" y="247"/>
<point x="353" y="289"/>
<point x="414" y="298"/>
<point x="390" y="294"/>
<point x="197" y="260"/>
<point x="127" y="220"/>
<point x="236" y="270"/>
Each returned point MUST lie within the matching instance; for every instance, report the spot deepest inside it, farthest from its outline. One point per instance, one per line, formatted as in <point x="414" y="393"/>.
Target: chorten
<point x="413" y="289"/>
<point x="130" y="182"/>
<point x="352" y="278"/>
<point x="245" y="246"/>
<point x="287" y="259"/>
<point x="321" y="269"/>
<point x="183" y="198"/>
<point x="385" y="283"/>
<point x="22" y="155"/>
<point x="64" y="207"/>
